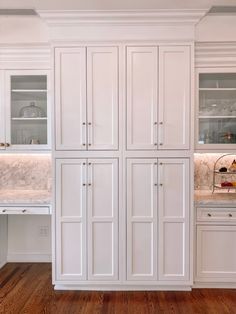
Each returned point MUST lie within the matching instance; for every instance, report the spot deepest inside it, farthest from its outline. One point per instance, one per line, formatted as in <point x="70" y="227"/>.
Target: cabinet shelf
<point x="226" y="172"/>
<point x="30" y="119"/>
<point x="217" y="89"/>
<point x="217" y="186"/>
<point x="29" y="90"/>
<point x="217" y="117"/>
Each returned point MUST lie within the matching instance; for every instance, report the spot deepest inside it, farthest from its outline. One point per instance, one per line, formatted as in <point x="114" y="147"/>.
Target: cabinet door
<point x="102" y="219"/>
<point x="174" y="97"/>
<point x="173" y="248"/>
<point x="70" y="219"/>
<point x="142" y="97"/>
<point x="216" y="254"/>
<point x="70" y="98"/>
<point x="102" y="95"/>
<point x="141" y="219"/>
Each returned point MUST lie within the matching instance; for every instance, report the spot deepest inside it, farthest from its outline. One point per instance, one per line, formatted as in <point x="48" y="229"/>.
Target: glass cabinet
<point x="27" y="110"/>
<point x="216" y="109"/>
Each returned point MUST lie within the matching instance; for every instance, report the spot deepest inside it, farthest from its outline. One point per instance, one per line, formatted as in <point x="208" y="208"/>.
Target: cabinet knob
<point x="89" y="184"/>
<point x="4" y="210"/>
<point x="84" y="144"/>
<point x="84" y="184"/>
<point x="89" y="144"/>
<point x="2" y="144"/>
<point x="155" y="184"/>
<point x="84" y="123"/>
<point x="230" y="215"/>
<point x="89" y="123"/>
<point x="161" y="184"/>
<point x="7" y="144"/>
<point x="161" y="122"/>
<point x="155" y="144"/>
<point x="209" y="215"/>
<point x="89" y="163"/>
<point x="24" y="211"/>
<point x="161" y="144"/>
<point x="155" y="123"/>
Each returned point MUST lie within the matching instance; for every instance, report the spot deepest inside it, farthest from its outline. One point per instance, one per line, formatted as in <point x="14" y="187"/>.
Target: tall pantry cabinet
<point x="122" y="143"/>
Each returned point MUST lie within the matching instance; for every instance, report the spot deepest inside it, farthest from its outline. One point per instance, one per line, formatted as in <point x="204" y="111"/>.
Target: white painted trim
<point x="29" y="257"/>
<point x="118" y="287"/>
<point x="215" y="54"/>
<point x="25" y="56"/>
<point x="120" y="17"/>
<point x="2" y="264"/>
<point x="214" y="285"/>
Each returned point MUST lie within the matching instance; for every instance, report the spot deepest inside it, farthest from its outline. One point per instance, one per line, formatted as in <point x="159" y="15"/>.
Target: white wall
<point x="3" y="240"/>
<point x="20" y="30"/>
<point x="216" y="28"/>
<point x="26" y="239"/>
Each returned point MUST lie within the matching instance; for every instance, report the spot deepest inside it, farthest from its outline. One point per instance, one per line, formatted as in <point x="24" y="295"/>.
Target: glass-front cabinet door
<point x="216" y="109"/>
<point x="27" y="110"/>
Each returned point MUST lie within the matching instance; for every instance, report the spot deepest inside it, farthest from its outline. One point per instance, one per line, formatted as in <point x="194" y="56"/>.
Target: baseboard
<point x="2" y="264"/>
<point x="29" y="258"/>
<point x="214" y="285"/>
<point x="120" y="287"/>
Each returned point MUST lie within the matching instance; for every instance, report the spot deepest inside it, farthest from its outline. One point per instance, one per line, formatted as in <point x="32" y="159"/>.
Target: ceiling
<point x="113" y="4"/>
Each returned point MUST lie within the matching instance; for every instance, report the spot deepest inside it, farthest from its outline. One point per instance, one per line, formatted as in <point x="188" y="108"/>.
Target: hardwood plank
<point x="26" y="288"/>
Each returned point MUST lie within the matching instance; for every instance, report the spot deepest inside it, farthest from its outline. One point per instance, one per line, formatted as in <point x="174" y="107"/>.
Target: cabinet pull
<point x="24" y="211"/>
<point x="209" y="215"/>
<point x="4" y="210"/>
<point x="230" y="215"/>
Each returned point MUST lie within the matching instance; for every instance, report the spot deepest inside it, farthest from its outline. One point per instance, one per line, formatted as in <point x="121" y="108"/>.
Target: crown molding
<point x="25" y="56"/>
<point x="215" y="54"/>
<point x="130" y="17"/>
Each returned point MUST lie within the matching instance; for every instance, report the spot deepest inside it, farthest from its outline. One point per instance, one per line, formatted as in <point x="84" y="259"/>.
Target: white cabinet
<point x="86" y="82"/>
<point x="158" y="219"/>
<point x="142" y="219"/>
<point x="87" y="219"/>
<point x="25" y="110"/>
<point x="173" y="230"/>
<point x="158" y="97"/>
<point x="215" y="245"/>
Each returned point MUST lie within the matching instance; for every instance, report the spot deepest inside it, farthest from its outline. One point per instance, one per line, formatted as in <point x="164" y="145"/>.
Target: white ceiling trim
<point x="138" y="17"/>
<point x="215" y="54"/>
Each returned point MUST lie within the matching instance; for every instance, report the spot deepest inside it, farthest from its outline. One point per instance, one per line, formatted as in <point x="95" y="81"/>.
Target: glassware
<point x="31" y="111"/>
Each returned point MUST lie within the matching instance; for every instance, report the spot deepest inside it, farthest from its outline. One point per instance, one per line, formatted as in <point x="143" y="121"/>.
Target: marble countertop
<point x="25" y="197"/>
<point x="206" y="197"/>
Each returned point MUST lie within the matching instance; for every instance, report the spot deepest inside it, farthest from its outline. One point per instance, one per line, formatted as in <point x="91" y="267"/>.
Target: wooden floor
<point x="26" y="288"/>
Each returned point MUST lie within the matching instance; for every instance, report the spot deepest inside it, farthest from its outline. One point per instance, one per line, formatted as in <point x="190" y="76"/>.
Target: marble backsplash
<point x="203" y="170"/>
<point x="25" y="172"/>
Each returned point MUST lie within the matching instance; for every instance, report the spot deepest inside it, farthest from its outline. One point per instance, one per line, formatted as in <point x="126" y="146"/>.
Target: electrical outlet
<point x="43" y="231"/>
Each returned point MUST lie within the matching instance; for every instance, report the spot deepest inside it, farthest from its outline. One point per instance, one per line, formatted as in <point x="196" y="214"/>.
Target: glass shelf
<point x="31" y="128"/>
<point x="217" y="108"/>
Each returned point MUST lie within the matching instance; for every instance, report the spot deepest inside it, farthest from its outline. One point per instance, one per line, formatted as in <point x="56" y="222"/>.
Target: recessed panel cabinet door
<point x="173" y="247"/>
<point x="103" y="219"/>
<point x="174" y="97"/>
<point x="102" y="96"/>
<point x="70" y="219"/>
<point x="70" y="98"/>
<point x="141" y="219"/>
<point x="141" y="100"/>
